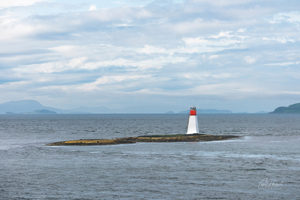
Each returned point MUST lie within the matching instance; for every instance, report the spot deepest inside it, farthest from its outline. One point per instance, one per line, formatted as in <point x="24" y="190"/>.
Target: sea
<point x="264" y="163"/>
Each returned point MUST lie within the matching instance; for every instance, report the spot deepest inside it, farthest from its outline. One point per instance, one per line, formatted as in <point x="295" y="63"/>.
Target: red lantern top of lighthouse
<point x="193" y="111"/>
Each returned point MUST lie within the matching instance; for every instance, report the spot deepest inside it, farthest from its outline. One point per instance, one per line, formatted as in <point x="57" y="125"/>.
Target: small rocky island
<point x="295" y="108"/>
<point x="147" y="138"/>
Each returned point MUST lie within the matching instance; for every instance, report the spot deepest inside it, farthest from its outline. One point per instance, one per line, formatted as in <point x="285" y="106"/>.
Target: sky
<point x="242" y="56"/>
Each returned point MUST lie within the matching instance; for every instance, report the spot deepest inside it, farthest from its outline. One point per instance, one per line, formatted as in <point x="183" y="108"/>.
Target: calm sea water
<point x="263" y="164"/>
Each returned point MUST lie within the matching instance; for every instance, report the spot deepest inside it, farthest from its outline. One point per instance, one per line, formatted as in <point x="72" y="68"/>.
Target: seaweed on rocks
<point x="147" y="138"/>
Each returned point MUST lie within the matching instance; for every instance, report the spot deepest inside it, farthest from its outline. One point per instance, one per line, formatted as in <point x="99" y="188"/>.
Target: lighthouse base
<point x="193" y="125"/>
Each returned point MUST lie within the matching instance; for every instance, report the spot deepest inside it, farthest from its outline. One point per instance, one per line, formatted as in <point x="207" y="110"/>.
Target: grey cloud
<point x="231" y="45"/>
<point x="28" y="52"/>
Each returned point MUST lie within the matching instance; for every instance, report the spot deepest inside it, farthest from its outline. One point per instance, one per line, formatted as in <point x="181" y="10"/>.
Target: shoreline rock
<point x="146" y="138"/>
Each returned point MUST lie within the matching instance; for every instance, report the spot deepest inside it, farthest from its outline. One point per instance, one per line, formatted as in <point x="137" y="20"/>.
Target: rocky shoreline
<point x="147" y="138"/>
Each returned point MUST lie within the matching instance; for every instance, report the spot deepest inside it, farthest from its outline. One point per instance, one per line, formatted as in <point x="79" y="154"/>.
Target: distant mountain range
<point x="294" y="108"/>
<point x="208" y="111"/>
<point x="25" y="106"/>
<point x="34" y="107"/>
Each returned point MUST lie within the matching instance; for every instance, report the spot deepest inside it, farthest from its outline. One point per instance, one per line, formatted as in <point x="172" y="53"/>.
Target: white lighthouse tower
<point x="193" y="122"/>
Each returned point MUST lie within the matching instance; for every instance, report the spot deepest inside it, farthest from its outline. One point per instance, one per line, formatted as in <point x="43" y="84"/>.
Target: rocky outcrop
<point x="150" y="138"/>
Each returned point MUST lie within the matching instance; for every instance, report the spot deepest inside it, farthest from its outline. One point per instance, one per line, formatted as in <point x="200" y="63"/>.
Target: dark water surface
<point x="263" y="164"/>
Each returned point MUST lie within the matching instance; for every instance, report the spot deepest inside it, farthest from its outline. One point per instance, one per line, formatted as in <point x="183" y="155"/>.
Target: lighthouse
<point x="193" y="122"/>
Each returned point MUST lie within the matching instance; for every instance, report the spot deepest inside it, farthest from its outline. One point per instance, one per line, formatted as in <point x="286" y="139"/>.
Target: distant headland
<point x="294" y="108"/>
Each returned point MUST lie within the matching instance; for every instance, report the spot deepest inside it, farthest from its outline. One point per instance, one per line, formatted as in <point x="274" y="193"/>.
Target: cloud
<point x="249" y="59"/>
<point x="6" y="4"/>
<point x="209" y="49"/>
<point x="93" y="7"/>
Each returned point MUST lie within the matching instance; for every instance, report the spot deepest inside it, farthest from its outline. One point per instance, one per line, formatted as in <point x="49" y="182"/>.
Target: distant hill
<point x="208" y="111"/>
<point x="295" y="108"/>
<point x="25" y="106"/>
<point x="43" y="112"/>
<point x="89" y="110"/>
